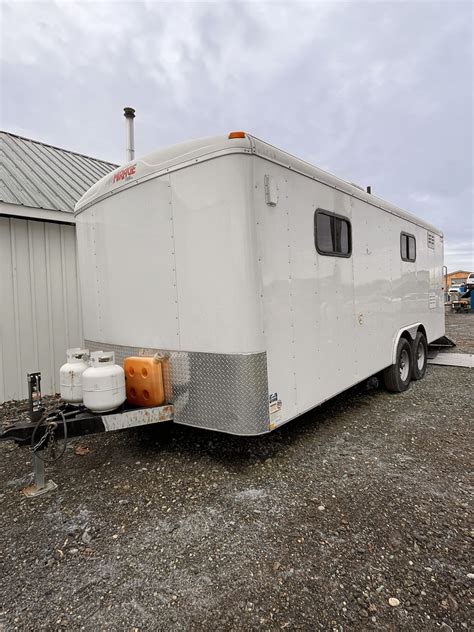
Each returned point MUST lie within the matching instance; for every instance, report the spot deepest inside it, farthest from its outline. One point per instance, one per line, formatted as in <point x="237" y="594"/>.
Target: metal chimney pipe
<point x="129" y="114"/>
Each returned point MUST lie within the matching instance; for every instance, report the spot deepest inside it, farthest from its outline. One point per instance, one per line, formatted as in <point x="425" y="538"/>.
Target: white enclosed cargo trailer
<point x="269" y="284"/>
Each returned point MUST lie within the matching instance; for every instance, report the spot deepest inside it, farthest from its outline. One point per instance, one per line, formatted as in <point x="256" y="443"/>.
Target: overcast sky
<point x="378" y="93"/>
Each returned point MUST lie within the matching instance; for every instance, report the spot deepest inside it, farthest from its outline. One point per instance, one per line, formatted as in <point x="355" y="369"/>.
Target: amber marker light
<point x="237" y="135"/>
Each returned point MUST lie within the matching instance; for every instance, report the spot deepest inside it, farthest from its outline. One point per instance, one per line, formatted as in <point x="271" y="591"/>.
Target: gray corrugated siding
<point x="40" y="315"/>
<point x="41" y="176"/>
<point x="40" y="311"/>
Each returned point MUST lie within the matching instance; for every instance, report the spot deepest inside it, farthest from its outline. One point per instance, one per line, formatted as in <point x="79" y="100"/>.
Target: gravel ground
<point x="460" y="328"/>
<point x="319" y="526"/>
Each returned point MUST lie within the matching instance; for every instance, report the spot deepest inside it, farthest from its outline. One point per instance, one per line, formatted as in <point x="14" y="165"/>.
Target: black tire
<point x="420" y="356"/>
<point x="397" y="376"/>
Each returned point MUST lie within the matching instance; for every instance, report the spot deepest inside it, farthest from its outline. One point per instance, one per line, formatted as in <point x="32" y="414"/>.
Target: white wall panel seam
<point x="33" y="294"/>
<point x="174" y="259"/>
<point x="64" y="283"/>
<point x="290" y="290"/>
<point x="49" y="302"/>
<point x="78" y="293"/>
<point x="3" y="308"/>
<point x="15" y="302"/>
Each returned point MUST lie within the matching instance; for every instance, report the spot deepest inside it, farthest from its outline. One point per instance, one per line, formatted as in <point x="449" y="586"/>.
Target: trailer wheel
<point x="420" y="356"/>
<point x="397" y="376"/>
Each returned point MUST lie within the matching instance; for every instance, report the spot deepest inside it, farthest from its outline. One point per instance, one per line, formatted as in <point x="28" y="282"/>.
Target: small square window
<point x="332" y="234"/>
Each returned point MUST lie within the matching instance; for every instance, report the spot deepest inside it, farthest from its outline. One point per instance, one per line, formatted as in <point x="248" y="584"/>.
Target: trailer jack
<point x="40" y="486"/>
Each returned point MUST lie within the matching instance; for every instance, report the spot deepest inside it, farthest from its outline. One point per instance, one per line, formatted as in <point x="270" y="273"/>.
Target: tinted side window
<point x="324" y="240"/>
<point x="404" y="246"/>
<point x="342" y="235"/>
<point x="407" y="247"/>
<point x="332" y="234"/>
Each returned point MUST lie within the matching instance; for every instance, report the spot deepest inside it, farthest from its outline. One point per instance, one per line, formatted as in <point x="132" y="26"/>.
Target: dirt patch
<point x="314" y="527"/>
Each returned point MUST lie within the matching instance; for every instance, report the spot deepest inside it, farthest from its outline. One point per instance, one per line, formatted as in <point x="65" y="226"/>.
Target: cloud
<point x="458" y="255"/>
<point x="377" y="92"/>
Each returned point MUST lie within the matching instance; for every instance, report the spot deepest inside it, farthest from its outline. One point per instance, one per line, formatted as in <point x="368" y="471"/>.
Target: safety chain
<point x="48" y="443"/>
<point x="47" y="438"/>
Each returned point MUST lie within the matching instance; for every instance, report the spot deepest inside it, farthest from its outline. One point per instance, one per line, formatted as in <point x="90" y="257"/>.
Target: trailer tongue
<point x="47" y="427"/>
<point x="73" y="421"/>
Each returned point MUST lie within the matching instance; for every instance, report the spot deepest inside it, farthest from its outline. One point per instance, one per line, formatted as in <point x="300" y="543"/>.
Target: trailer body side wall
<point x="332" y="321"/>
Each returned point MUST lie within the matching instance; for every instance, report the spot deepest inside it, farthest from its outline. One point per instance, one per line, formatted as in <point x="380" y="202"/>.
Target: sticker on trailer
<point x="275" y="411"/>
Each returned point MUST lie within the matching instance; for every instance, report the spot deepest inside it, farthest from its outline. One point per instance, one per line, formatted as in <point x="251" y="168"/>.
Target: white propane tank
<point x="70" y="375"/>
<point x="103" y="383"/>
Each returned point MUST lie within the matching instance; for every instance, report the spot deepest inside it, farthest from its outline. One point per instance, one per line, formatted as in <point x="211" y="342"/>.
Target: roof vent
<point x="129" y="114"/>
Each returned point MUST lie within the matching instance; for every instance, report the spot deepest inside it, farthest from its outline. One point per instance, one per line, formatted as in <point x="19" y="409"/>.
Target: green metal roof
<point x="37" y="175"/>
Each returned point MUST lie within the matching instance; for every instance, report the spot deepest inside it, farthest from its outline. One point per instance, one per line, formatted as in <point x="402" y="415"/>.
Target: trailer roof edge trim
<point x="182" y="155"/>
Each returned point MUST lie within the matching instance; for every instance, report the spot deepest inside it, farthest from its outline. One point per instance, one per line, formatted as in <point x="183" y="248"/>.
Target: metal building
<point x="40" y="314"/>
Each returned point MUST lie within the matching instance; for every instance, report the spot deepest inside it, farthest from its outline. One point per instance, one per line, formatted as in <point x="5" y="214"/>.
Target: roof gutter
<point x="42" y="214"/>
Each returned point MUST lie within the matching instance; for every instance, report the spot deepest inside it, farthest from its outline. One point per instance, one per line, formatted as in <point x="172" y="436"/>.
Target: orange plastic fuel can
<point x="144" y="380"/>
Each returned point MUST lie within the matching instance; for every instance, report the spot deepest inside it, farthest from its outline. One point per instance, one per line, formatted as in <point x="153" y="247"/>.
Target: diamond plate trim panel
<point x="224" y="392"/>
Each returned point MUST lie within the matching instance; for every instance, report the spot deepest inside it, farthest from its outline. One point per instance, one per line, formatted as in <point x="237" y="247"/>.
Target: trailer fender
<point x="411" y="330"/>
